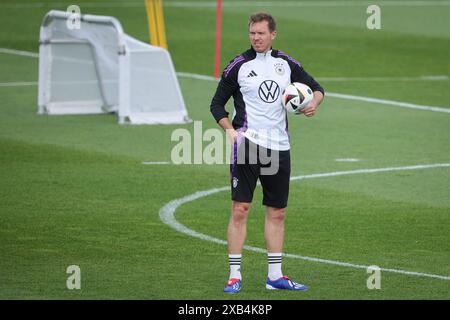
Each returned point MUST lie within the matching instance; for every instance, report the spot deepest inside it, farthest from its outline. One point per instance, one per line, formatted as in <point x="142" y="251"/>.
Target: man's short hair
<point x="263" y="16"/>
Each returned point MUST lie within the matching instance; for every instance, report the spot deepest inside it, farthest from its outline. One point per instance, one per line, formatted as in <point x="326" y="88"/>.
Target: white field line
<point x="331" y="94"/>
<point x="378" y="170"/>
<point x="356" y="79"/>
<point x="17" y="84"/>
<point x="234" y="4"/>
<point x="384" y="79"/>
<point x="389" y="102"/>
<point x="346" y="96"/>
<point x="196" y="76"/>
<point x="347" y="160"/>
<point x="156" y="162"/>
<point x="19" y="52"/>
<point x="167" y="215"/>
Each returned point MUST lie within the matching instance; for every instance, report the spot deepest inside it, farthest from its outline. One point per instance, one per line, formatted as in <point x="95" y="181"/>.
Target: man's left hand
<point x="310" y="109"/>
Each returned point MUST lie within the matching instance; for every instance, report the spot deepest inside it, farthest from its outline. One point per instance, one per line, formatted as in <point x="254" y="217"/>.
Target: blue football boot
<point x="233" y="286"/>
<point x="284" y="283"/>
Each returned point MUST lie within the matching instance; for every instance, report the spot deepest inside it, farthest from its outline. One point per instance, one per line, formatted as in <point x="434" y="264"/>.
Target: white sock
<point x="235" y="265"/>
<point x="274" y="260"/>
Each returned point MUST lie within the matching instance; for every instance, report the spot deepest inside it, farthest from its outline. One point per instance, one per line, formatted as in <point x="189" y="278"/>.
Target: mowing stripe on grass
<point x="167" y="215"/>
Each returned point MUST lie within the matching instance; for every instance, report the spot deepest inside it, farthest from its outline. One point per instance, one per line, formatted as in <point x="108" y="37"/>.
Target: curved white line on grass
<point x="167" y="215"/>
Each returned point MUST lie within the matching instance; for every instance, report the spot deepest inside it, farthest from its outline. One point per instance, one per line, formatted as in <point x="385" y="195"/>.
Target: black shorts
<point x="251" y="162"/>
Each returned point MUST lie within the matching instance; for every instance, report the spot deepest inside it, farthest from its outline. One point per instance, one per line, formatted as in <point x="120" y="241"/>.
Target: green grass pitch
<point x="74" y="191"/>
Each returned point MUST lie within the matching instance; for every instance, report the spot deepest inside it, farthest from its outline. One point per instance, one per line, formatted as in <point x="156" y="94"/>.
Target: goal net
<point x="95" y="67"/>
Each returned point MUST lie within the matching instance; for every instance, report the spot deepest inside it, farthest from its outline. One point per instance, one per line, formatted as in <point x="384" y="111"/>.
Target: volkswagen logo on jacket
<point x="269" y="91"/>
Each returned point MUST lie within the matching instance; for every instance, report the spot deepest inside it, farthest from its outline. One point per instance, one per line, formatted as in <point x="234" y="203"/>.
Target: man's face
<point x="261" y="37"/>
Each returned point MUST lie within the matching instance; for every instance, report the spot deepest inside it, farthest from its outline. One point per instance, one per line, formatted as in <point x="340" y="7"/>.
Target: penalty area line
<point x="167" y="216"/>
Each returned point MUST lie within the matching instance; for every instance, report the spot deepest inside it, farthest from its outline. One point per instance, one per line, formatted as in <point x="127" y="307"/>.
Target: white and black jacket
<point x="256" y="82"/>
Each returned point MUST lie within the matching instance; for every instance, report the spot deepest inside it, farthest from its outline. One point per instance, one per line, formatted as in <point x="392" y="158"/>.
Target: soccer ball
<point x="296" y="96"/>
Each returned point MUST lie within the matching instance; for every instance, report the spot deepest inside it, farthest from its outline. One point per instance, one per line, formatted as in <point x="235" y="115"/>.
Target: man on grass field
<point x="259" y="133"/>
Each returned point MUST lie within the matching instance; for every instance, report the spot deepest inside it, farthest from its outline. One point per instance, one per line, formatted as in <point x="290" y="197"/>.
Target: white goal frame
<point x="127" y="93"/>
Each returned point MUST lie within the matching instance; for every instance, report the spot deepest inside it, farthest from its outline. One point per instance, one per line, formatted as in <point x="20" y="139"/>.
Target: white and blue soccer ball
<point x="296" y="96"/>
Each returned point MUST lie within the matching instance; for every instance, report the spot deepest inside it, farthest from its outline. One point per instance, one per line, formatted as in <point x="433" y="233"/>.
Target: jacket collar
<point x="259" y="54"/>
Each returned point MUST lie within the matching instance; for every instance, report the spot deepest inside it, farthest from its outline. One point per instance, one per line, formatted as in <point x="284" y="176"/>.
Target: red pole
<point x="218" y="27"/>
